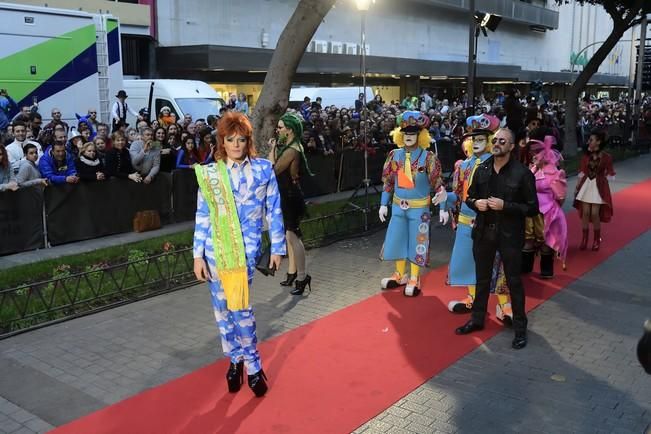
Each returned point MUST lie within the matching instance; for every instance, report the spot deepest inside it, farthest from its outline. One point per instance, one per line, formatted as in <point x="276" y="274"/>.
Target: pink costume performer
<point x="549" y="233"/>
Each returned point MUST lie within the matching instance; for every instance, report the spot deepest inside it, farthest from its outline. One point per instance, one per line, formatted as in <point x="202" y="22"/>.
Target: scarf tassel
<point x="236" y="287"/>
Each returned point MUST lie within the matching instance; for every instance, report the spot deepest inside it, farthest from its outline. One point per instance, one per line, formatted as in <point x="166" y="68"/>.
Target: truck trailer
<point x="58" y="58"/>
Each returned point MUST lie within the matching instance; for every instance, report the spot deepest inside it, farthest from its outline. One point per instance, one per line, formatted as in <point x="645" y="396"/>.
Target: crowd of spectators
<point x="58" y="153"/>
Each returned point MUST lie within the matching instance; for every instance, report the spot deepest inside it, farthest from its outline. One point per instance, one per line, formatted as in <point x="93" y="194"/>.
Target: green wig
<point x="294" y="123"/>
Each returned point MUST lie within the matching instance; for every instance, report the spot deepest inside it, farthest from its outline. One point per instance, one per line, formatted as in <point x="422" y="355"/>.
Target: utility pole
<point x="470" y="88"/>
<point x="638" y="78"/>
<point x="631" y="86"/>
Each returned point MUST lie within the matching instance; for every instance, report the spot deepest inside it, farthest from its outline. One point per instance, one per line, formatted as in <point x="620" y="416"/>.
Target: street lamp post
<point x="472" y="59"/>
<point x="479" y="21"/>
<point x="638" y="85"/>
<point x="363" y="6"/>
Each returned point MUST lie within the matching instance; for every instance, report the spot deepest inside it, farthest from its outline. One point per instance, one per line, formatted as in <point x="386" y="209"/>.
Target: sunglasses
<point x="500" y="141"/>
<point x="92" y="113"/>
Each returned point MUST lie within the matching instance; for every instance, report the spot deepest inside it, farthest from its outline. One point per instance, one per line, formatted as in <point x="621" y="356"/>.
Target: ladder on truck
<point x="101" y="43"/>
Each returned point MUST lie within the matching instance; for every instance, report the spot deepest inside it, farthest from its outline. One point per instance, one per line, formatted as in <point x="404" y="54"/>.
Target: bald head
<point x="503" y="142"/>
<point x="507" y="133"/>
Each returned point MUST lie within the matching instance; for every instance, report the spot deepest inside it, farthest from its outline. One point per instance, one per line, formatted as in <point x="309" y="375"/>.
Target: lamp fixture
<point x="363" y="5"/>
<point x="487" y="21"/>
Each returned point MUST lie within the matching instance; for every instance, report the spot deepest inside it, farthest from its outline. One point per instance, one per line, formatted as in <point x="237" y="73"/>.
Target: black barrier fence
<point x="21" y="220"/>
<point x="36" y="304"/>
<point x="90" y="210"/>
<point x="184" y="194"/>
<point x="95" y="209"/>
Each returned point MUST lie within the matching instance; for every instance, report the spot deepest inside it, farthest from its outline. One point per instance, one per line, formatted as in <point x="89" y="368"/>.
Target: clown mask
<point x="479" y="144"/>
<point x="410" y="139"/>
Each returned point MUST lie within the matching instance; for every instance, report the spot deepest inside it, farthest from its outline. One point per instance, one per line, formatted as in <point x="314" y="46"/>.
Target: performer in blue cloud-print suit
<point x="251" y="183"/>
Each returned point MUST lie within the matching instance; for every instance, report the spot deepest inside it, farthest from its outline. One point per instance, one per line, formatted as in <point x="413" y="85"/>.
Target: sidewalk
<point x="578" y="373"/>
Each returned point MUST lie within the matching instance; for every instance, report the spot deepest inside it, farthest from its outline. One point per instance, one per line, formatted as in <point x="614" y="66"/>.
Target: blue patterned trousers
<point x="237" y="330"/>
<point x="407" y="236"/>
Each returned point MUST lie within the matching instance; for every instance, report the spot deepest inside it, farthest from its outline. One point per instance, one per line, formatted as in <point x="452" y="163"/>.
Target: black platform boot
<point x="258" y="384"/>
<point x="546" y="265"/>
<point x="527" y="261"/>
<point x="235" y="376"/>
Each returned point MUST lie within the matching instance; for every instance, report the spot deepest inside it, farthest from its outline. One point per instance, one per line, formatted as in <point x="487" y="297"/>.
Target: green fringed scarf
<point x="228" y="242"/>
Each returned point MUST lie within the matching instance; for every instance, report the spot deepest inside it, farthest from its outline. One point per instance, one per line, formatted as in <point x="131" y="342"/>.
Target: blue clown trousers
<point x="407" y="236"/>
<point x="237" y="330"/>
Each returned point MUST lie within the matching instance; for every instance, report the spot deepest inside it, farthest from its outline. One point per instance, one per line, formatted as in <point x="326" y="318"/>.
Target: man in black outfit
<point x="503" y="192"/>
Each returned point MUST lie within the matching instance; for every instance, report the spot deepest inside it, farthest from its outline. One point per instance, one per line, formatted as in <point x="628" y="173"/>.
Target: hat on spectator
<point x="74" y="132"/>
<point x="122" y="94"/>
<point x="165" y="108"/>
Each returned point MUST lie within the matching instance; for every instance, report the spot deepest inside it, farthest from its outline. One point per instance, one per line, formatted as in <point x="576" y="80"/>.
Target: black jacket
<point x="87" y="172"/>
<point x="118" y="163"/>
<point x="517" y="187"/>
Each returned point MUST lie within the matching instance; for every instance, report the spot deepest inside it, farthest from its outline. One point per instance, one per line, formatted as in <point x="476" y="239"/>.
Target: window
<point x="199" y="107"/>
<point x="160" y="103"/>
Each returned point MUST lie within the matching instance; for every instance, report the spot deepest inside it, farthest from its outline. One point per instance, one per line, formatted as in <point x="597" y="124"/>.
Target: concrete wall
<point x="410" y="31"/>
<point x="130" y="14"/>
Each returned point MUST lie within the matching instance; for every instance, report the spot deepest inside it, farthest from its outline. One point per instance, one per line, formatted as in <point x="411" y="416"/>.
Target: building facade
<point x="410" y="44"/>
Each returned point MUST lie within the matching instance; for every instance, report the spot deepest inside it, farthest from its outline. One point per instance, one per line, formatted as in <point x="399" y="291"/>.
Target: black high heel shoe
<point x="301" y="284"/>
<point x="258" y="384"/>
<point x="235" y="376"/>
<point x="290" y="279"/>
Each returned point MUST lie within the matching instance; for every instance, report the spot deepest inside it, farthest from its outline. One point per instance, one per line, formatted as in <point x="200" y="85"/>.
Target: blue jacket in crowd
<point x="56" y="174"/>
<point x="7" y="105"/>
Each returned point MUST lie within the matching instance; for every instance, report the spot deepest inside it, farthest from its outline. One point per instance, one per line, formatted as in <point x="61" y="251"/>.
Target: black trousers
<point x="483" y="251"/>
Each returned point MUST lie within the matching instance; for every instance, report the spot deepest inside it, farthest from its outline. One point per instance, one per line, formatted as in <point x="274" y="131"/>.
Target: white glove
<point x="383" y="213"/>
<point x="440" y="196"/>
<point x="610" y="178"/>
<point x="444" y="216"/>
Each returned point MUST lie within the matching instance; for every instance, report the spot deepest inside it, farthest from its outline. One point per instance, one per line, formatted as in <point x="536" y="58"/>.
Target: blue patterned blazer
<point x="261" y="198"/>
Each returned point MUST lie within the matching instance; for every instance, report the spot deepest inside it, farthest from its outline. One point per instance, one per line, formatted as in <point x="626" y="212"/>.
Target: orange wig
<point x="234" y="123"/>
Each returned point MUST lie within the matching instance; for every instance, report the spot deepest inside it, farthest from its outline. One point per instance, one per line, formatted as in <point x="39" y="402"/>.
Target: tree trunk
<point x="288" y="53"/>
<point x="581" y="81"/>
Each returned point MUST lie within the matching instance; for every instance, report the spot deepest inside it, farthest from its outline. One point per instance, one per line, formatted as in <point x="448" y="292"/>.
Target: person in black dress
<point x="287" y="155"/>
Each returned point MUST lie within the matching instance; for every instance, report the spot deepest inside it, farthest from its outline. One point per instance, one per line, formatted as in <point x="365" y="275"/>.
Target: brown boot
<point x="597" y="240"/>
<point x="584" y="241"/>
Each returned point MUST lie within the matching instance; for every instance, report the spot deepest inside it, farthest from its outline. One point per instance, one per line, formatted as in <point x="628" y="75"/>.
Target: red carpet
<point x="336" y="373"/>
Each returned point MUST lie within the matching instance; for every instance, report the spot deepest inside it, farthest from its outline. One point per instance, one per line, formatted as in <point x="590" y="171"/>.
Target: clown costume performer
<point x="411" y="173"/>
<point x="234" y="193"/>
<point x="547" y="232"/>
<point x="461" y="271"/>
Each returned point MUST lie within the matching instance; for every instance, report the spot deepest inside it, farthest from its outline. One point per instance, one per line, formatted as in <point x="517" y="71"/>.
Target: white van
<point x="181" y="96"/>
<point x="337" y="96"/>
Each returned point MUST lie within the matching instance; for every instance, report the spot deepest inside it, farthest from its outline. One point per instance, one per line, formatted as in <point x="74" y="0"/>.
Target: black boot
<point x="289" y="280"/>
<point x="235" y="376"/>
<point x="258" y="384"/>
<point x="527" y="261"/>
<point x="546" y="265"/>
<point x="301" y="284"/>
